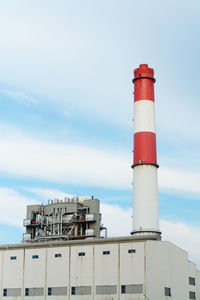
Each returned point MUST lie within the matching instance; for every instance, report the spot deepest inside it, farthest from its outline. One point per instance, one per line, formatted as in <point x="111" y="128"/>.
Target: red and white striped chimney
<point x="145" y="187"/>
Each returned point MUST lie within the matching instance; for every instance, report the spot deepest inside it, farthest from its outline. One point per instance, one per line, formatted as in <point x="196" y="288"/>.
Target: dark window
<point x="4" y="292"/>
<point x="131" y="251"/>
<point x="167" y="291"/>
<point x="123" y="289"/>
<point x="192" y="280"/>
<point x="13" y="257"/>
<point x="58" y="255"/>
<point x="81" y="254"/>
<point x="192" y="295"/>
<point x="73" y="290"/>
<point x="26" y="292"/>
<point x="106" y="252"/>
<point x="49" y="291"/>
<point x="35" y="256"/>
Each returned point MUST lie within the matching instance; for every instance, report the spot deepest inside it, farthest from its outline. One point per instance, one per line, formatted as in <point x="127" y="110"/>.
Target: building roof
<point x="88" y="241"/>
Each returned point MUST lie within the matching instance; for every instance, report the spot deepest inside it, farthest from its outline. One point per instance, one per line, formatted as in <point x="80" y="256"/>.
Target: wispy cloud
<point x="52" y="56"/>
<point x="173" y="179"/>
<point x="67" y="114"/>
<point x="117" y="219"/>
<point x="46" y="194"/>
<point x="20" y="96"/>
<point x="13" y="206"/>
<point x="70" y="163"/>
<point x="23" y="156"/>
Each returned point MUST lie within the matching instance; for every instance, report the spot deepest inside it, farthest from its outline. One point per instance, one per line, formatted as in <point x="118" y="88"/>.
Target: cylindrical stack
<point x="145" y="187"/>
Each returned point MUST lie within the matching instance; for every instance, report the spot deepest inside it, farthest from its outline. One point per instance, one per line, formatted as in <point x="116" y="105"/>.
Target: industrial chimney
<point x="145" y="186"/>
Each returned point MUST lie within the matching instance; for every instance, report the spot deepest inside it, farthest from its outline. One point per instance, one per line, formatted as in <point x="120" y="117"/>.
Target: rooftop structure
<point x="68" y="219"/>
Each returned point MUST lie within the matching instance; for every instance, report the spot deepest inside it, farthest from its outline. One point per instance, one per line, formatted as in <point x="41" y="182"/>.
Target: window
<point x="192" y="280"/>
<point x="73" y="290"/>
<point x="35" y="256"/>
<point x="26" y="292"/>
<point x="192" y="295"/>
<point x="131" y="251"/>
<point x="4" y="292"/>
<point x="123" y="289"/>
<point x="167" y="291"/>
<point x="106" y="252"/>
<point x="49" y="291"/>
<point x="81" y="254"/>
<point x="13" y="257"/>
<point x="58" y="255"/>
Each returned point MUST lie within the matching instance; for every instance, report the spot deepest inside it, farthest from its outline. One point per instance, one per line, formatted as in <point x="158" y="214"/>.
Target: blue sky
<point x="66" y="108"/>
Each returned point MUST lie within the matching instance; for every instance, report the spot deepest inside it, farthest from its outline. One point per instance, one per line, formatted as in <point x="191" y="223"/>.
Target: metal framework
<point x="71" y="218"/>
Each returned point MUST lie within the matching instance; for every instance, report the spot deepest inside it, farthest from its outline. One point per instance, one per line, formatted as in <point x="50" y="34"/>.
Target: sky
<point x="66" y="109"/>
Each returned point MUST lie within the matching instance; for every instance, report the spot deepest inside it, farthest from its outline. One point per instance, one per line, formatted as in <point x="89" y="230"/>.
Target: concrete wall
<point x="12" y="272"/>
<point x="57" y="272"/>
<point x="198" y="284"/>
<point x="166" y="267"/>
<point x="103" y="271"/>
<point x="192" y="279"/>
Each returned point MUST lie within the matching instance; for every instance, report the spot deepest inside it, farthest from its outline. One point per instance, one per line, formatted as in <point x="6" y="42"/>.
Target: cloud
<point x="13" y="206"/>
<point x="117" y="219"/>
<point x="65" y="163"/>
<point x="52" y="53"/>
<point x="67" y="114"/>
<point x="24" y="156"/>
<point x="69" y="57"/>
<point x="47" y="194"/>
<point x="20" y="96"/>
<point x="173" y="179"/>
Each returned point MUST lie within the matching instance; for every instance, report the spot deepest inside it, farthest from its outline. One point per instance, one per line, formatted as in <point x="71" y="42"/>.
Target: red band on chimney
<point x="144" y="83"/>
<point x="145" y="148"/>
<point x="144" y="89"/>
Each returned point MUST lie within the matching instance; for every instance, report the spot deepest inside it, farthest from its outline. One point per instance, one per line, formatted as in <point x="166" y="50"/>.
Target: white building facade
<point x="98" y="269"/>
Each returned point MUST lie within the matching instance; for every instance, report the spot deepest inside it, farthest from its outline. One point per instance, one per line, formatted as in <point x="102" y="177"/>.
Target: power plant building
<point x="101" y="269"/>
<point x="66" y="254"/>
